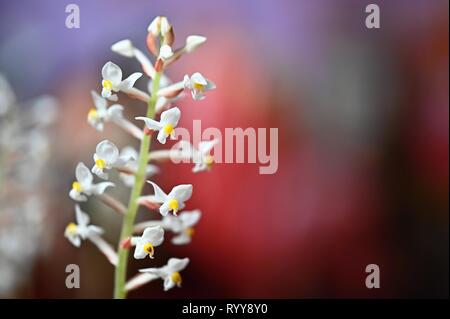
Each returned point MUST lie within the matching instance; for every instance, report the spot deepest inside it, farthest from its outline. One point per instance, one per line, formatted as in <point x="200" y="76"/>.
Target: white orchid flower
<point x="145" y="245"/>
<point x="112" y="81"/>
<point x="201" y="156"/>
<point x="170" y="273"/>
<point x="182" y="226"/>
<point x="84" y="186"/>
<point x="166" y="125"/>
<point x="107" y="157"/>
<point x="81" y="230"/>
<point x="128" y="178"/>
<point x="101" y="113"/>
<point x="198" y="85"/>
<point x="174" y="201"/>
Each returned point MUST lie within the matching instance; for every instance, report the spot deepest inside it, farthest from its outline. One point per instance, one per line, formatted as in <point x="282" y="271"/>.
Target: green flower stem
<point x="130" y="216"/>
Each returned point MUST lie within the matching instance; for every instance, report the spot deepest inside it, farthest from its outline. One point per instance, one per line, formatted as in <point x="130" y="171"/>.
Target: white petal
<point x="187" y="82"/>
<point x="98" y="189"/>
<point x="115" y="112"/>
<point x="160" y="196"/>
<point x="177" y="264"/>
<point x="124" y="47"/>
<point x="193" y="42"/>
<point x="151" y="124"/>
<point x="92" y="229"/>
<point x="139" y="252"/>
<point x="171" y="116"/>
<point x="112" y="72"/>
<point x="191" y="218"/>
<point x="129" y="152"/>
<point x="81" y="217"/>
<point x="128" y="83"/>
<point x="181" y="192"/>
<point x="164" y="209"/>
<point x="154" y="235"/>
<point x="168" y="283"/>
<point x="182" y="239"/>
<point x="83" y="175"/>
<point x="139" y="280"/>
<point x="99" y="102"/>
<point x="197" y="77"/>
<point x="112" y="97"/>
<point x="107" y="151"/>
<point x="77" y="196"/>
<point x="99" y="172"/>
<point x="162" y="137"/>
<point x="206" y="146"/>
<point x="75" y="240"/>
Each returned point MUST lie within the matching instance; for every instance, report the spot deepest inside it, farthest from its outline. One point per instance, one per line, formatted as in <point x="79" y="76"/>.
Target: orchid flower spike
<point x="174" y="201"/>
<point x="166" y="125"/>
<point x="198" y="85"/>
<point x="107" y="157"/>
<point x="84" y="186"/>
<point x="128" y="178"/>
<point x="112" y="81"/>
<point x="145" y="245"/>
<point x="101" y="113"/>
<point x="170" y="273"/>
<point x="81" y="230"/>
<point x="182" y="226"/>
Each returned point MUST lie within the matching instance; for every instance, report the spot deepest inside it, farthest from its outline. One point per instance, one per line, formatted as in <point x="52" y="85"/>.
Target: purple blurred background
<point x="363" y="118"/>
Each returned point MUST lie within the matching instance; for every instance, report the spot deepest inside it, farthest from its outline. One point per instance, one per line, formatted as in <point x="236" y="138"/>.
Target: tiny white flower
<point x="170" y="273"/>
<point x="145" y="245"/>
<point x="101" y="113"/>
<point x="106" y="157"/>
<point x="84" y="186"/>
<point x="174" y="201"/>
<point x="193" y="42"/>
<point x="81" y="230"/>
<point x="182" y="226"/>
<point x="112" y="80"/>
<point x="166" y="125"/>
<point x="132" y="164"/>
<point x="198" y="85"/>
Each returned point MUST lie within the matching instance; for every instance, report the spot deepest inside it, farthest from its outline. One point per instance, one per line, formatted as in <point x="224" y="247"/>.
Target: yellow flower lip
<point x="190" y="231"/>
<point x="92" y="115"/>
<point x="209" y="160"/>
<point x="199" y="86"/>
<point x="100" y="163"/>
<point x="71" y="229"/>
<point x="168" y="129"/>
<point x="77" y="186"/>
<point x="107" y="84"/>
<point x="173" y="205"/>
<point x="176" y="278"/>
<point x="149" y="249"/>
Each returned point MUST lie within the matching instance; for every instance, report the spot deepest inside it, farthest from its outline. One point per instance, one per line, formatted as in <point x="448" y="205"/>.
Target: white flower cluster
<point x="24" y="155"/>
<point x="133" y="166"/>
